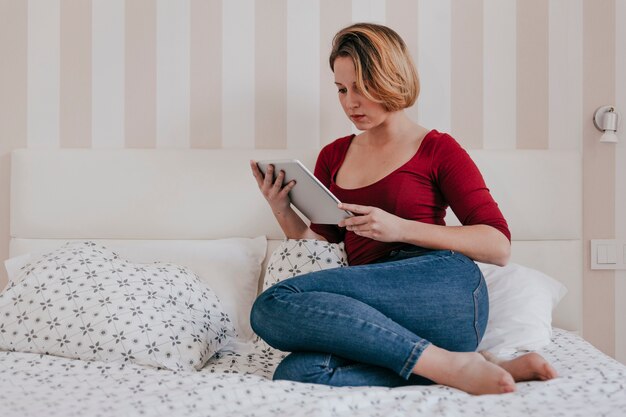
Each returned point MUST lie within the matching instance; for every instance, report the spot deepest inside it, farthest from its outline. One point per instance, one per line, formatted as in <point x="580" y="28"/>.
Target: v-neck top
<point x="438" y="175"/>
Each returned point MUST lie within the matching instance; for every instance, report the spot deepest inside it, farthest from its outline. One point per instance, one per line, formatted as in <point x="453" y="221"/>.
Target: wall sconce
<point x="606" y="120"/>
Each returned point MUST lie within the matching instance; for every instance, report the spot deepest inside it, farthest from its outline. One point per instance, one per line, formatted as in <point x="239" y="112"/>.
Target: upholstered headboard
<point x="208" y="194"/>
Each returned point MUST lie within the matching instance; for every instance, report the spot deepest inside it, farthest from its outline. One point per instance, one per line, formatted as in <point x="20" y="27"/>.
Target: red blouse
<point x="440" y="173"/>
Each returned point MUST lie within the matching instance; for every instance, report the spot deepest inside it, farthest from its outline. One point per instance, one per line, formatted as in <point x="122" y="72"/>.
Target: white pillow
<point x="231" y="267"/>
<point x="15" y="264"/>
<point x="300" y="256"/>
<point x="521" y="301"/>
<point x="83" y="301"/>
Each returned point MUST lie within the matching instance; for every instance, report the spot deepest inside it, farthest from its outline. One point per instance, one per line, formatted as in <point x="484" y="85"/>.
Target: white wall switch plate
<point x="608" y="254"/>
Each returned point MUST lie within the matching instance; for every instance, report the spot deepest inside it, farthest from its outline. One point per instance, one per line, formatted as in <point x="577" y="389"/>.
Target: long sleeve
<point x="463" y="187"/>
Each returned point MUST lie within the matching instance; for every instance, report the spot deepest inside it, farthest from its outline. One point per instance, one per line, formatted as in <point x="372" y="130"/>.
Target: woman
<point x="412" y="306"/>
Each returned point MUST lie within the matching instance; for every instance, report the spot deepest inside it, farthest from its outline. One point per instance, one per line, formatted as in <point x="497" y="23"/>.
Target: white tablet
<point x="309" y="195"/>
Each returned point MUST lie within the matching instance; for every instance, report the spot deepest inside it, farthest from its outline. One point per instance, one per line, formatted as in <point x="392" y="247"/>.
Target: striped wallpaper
<point x="245" y="73"/>
<point x="497" y="74"/>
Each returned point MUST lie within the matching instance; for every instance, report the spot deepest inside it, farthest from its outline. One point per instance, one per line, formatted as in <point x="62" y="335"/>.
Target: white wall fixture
<point x="606" y="119"/>
<point x="608" y="254"/>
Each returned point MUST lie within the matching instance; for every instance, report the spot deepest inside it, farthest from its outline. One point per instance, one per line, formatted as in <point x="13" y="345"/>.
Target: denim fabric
<point x="369" y="324"/>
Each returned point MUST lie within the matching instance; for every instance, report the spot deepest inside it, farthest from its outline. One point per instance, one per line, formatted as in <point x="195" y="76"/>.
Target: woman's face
<point x="364" y="113"/>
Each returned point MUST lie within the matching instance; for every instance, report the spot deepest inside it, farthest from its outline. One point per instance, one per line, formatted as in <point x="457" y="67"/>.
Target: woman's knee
<point x="266" y="308"/>
<point x="309" y="367"/>
<point x="260" y="312"/>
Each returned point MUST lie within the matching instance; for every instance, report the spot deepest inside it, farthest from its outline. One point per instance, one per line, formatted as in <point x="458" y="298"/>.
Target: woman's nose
<point x="352" y="101"/>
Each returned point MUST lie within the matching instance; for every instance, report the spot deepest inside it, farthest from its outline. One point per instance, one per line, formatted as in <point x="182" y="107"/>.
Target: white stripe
<point x="434" y="64"/>
<point x="565" y="86"/>
<point x="108" y="37"/>
<point x="499" y="74"/>
<point x="303" y="74"/>
<point x="238" y="73"/>
<point x="620" y="176"/>
<point x="373" y="11"/>
<point x="173" y="43"/>
<point x="43" y="73"/>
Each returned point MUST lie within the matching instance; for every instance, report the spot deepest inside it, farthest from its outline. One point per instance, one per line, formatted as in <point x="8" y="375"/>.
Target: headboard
<point x="65" y="194"/>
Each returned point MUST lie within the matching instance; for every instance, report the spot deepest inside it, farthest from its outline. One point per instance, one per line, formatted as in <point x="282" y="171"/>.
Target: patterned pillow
<point x="300" y="256"/>
<point x="83" y="301"/>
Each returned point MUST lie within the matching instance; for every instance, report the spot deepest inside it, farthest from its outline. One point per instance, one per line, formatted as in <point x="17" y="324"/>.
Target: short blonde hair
<point x="385" y="71"/>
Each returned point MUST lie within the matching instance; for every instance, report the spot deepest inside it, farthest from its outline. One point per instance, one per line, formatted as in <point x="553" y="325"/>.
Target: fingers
<point x="355" y="208"/>
<point x="256" y="173"/>
<point x="362" y="219"/>
<point x="360" y="230"/>
<point x="269" y="186"/>
<point x="267" y="180"/>
<point x="269" y="176"/>
<point x="287" y="188"/>
<point x="355" y="222"/>
<point x="278" y="184"/>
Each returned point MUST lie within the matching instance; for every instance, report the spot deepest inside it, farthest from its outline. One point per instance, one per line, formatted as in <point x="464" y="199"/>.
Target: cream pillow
<point x="83" y="301"/>
<point x="231" y="267"/>
<point x="521" y="301"/>
<point x="300" y="256"/>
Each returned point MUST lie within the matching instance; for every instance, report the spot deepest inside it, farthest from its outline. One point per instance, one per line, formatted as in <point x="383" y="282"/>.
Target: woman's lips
<point x="357" y="117"/>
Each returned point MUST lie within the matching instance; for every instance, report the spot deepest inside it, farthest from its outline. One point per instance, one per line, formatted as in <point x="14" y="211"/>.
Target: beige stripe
<point x="532" y="74"/>
<point x="5" y="236"/>
<point x="334" y="15"/>
<point x="466" y="82"/>
<point x="75" y="74"/>
<point x="402" y="17"/>
<point x="271" y="75"/>
<point x="206" y="74"/>
<point x="13" y="72"/>
<point x="599" y="169"/>
<point x="140" y="59"/>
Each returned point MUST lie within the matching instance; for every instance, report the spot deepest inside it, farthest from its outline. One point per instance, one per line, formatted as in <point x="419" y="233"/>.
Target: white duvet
<point x="591" y="384"/>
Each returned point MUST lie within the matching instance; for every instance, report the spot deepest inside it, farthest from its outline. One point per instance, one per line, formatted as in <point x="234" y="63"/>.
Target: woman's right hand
<point x="276" y="195"/>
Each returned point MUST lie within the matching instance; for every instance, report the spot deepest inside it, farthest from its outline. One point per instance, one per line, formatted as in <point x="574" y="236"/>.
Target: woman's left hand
<point x="373" y="223"/>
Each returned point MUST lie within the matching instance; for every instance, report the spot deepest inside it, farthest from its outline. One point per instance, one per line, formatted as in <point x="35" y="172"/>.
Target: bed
<point x="127" y="199"/>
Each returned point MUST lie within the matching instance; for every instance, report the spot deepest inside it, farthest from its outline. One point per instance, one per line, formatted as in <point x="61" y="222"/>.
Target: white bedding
<point x="591" y="384"/>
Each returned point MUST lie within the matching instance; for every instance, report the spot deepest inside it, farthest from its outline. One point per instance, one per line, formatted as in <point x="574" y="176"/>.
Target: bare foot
<point x="529" y="367"/>
<point x="467" y="371"/>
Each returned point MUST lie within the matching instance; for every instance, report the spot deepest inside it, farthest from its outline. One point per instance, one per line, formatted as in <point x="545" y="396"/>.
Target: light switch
<point x="611" y="254"/>
<point x="602" y="254"/>
<point x="608" y="254"/>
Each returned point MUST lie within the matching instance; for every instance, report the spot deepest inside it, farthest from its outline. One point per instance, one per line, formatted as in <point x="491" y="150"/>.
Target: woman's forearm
<point x="293" y="226"/>
<point x="480" y="242"/>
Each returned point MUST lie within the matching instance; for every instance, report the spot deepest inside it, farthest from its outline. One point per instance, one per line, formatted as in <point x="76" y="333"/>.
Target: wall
<point x="620" y="178"/>
<point x="497" y="74"/>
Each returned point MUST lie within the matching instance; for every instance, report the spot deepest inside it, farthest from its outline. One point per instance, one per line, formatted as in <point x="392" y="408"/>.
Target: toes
<point x="548" y="372"/>
<point x="507" y="384"/>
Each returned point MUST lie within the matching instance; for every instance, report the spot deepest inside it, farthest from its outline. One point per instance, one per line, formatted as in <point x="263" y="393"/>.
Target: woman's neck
<point x="396" y="127"/>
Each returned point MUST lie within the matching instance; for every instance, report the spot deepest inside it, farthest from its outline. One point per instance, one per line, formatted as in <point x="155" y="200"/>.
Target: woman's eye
<point x="342" y="91"/>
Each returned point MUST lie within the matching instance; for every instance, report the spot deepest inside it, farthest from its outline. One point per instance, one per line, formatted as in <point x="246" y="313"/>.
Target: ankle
<point x="435" y="363"/>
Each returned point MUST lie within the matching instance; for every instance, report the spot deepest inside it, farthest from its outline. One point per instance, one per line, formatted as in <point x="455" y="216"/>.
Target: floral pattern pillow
<point x="83" y="301"/>
<point x="300" y="256"/>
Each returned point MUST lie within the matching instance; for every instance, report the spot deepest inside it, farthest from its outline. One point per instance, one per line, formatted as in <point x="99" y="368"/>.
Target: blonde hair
<point x="385" y="72"/>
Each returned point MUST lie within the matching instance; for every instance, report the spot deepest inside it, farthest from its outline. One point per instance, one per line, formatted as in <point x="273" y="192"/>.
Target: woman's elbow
<point x="500" y="252"/>
<point x="503" y="255"/>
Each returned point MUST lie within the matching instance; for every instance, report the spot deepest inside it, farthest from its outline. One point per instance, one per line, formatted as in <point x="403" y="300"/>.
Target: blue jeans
<point x="369" y="324"/>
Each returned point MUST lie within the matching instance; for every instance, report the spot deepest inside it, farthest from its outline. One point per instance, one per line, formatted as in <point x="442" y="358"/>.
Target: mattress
<point x="590" y="383"/>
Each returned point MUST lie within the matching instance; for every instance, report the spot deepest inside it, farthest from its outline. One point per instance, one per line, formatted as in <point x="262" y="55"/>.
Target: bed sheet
<point x="590" y="384"/>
